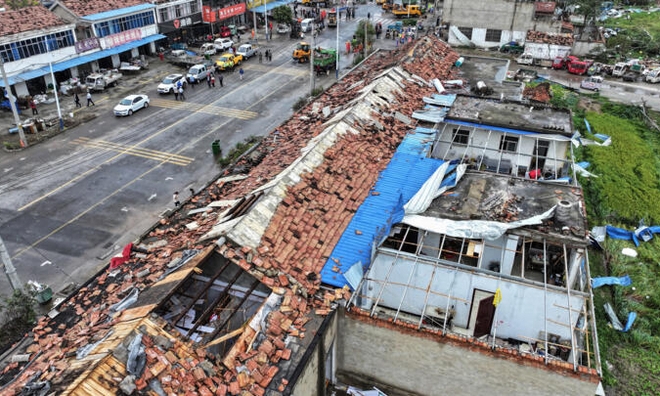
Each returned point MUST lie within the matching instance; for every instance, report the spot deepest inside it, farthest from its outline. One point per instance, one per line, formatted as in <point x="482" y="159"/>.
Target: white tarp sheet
<point x="431" y="189"/>
<point x="471" y="229"/>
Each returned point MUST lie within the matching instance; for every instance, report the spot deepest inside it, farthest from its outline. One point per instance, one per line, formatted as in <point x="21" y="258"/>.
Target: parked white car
<point x="208" y="49"/>
<point x="169" y="83"/>
<point x="131" y="104"/>
<point x="223" y="44"/>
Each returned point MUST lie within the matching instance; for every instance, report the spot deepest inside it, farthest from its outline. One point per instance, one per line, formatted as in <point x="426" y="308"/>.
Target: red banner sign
<point x="232" y="10"/>
<point x="208" y="15"/>
<point x="114" y="40"/>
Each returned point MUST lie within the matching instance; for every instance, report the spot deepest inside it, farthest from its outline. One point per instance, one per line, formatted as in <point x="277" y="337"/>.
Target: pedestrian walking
<point x="76" y="99"/>
<point x="176" y="93"/>
<point x="192" y="192"/>
<point x="212" y="80"/>
<point x="33" y="106"/>
<point x="260" y="55"/>
<point x="89" y="99"/>
<point x="175" y="198"/>
<point x="208" y="80"/>
<point x="181" y="94"/>
<point x="270" y="55"/>
<point x="240" y="73"/>
<point x="220" y="79"/>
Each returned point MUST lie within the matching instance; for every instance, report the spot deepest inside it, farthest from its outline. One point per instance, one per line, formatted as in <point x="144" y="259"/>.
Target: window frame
<point x="509" y="143"/>
<point x="460" y="136"/>
<point x="493" y="35"/>
<point x="467" y="31"/>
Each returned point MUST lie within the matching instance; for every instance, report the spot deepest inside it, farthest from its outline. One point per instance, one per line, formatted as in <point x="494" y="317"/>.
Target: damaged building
<point x="354" y="246"/>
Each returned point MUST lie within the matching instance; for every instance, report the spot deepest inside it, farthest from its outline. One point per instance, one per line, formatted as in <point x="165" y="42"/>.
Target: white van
<point x="306" y="25"/>
<point x="197" y="74"/>
<point x="654" y="76"/>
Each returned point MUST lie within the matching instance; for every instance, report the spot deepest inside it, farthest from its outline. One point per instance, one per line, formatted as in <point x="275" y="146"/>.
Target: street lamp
<point x="52" y="77"/>
<point x="266" y="19"/>
<point x="12" y="105"/>
<point x="337" y="60"/>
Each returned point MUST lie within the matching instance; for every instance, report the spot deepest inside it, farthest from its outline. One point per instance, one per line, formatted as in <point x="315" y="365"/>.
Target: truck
<point x="198" y="73"/>
<point x="525" y="75"/>
<point x="512" y="47"/>
<point x="247" y="51"/>
<point x="302" y="52"/>
<point x="332" y="18"/>
<point x="653" y="77"/>
<point x="324" y="60"/>
<point x="228" y="61"/>
<point x="407" y="11"/>
<point x="542" y="54"/>
<point x="579" y="67"/>
<point x="101" y="81"/>
<point x="622" y="68"/>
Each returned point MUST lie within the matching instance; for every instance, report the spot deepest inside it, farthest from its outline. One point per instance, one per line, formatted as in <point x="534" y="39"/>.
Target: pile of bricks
<point x="540" y="93"/>
<point x="549" y="38"/>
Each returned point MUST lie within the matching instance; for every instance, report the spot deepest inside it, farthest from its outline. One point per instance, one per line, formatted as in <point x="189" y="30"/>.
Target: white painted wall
<point x="520" y="314"/>
<point x="39" y="61"/>
<point x="481" y="137"/>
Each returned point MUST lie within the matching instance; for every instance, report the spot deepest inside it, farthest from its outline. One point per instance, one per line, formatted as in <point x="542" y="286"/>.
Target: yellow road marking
<point x="137" y="152"/>
<point x="117" y="191"/>
<point x="194" y="107"/>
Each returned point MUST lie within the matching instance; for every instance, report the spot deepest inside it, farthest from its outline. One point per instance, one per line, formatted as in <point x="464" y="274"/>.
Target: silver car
<point x="131" y="104"/>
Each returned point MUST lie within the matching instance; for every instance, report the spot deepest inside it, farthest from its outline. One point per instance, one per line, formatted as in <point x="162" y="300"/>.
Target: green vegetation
<point x="638" y="37"/>
<point x="17" y="315"/>
<point x="282" y="14"/>
<point x="240" y="149"/>
<point x="625" y="192"/>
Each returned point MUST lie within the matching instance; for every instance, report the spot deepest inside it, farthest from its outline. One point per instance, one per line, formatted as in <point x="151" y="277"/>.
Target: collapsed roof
<point x="277" y="214"/>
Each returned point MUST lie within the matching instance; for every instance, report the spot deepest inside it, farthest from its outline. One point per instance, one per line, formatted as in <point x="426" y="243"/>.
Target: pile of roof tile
<point x="90" y="7"/>
<point x="23" y="19"/>
<point x="540" y="93"/>
<point x="549" y="38"/>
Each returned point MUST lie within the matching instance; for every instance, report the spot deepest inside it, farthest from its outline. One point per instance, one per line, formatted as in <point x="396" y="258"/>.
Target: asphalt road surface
<point x="67" y="205"/>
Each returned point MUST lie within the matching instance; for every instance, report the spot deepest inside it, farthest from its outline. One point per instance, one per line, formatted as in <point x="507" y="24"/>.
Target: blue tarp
<point x="118" y="12"/>
<point x="397" y="183"/>
<point x="646" y="233"/>
<point x="611" y="280"/>
<point x="631" y="319"/>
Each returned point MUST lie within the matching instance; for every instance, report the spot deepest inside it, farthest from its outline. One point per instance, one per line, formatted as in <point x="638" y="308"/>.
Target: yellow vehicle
<point x="381" y="2"/>
<point x="306" y="2"/>
<point x="409" y="10"/>
<point x="387" y="5"/>
<point x="228" y="61"/>
<point x="302" y="52"/>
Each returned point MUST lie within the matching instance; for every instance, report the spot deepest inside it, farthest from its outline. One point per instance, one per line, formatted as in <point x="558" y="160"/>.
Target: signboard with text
<point x="232" y="10"/>
<point x="208" y="15"/>
<point x="115" y="40"/>
<point x="87" y="44"/>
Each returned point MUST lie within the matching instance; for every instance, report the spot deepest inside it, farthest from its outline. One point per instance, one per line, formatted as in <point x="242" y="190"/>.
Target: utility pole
<point x="52" y="77"/>
<point x="12" y="104"/>
<point x="337" y="60"/>
<point x="311" y="61"/>
<point x="10" y="271"/>
<point x="364" y="56"/>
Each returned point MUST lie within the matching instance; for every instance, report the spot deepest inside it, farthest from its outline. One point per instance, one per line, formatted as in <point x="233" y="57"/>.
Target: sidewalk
<point x="72" y="116"/>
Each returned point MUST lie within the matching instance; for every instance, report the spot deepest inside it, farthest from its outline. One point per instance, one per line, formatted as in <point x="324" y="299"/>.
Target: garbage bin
<point x="215" y="146"/>
<point x="44" y="295"/>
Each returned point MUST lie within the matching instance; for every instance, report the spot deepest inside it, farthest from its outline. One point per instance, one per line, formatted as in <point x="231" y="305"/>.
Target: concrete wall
<point x="583" y="48"/>
<point x="521" y="314"/>
<point x="370" y="354"/>
<point x="513" y="18"/>
<point x="312" y="379"/>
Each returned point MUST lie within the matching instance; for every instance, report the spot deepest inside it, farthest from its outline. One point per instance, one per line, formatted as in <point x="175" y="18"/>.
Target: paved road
<point x="68" y="204"/>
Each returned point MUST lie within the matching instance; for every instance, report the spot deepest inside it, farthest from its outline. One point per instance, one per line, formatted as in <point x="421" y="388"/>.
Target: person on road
<point x="89" y="99"/>
<point x="76" y="99"/>
<point x="208" y="80"/>
<point x="181" y="93"/>
<point x="240" y="73"/>
<point x="175" y="198"/>
<point x="176" y="93"/>
<point x="261" y="56"/>
<point x="212" y="80"/>
<point x="33" y="106"/>
<point x="220" y="79"/>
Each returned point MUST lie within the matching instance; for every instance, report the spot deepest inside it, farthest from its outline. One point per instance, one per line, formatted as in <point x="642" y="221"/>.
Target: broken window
<point x="467" y="32"/>
<point x="461" y="136"/>
<point x="493" y="35"/>
<point x="509" y="143"/>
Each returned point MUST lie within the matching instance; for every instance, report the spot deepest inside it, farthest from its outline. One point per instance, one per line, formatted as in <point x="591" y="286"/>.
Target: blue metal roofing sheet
<point x="270" y="6"/>
<point x="490" y="127"/>
<point x="118" y="12"/>
<point x="404" y="175"/>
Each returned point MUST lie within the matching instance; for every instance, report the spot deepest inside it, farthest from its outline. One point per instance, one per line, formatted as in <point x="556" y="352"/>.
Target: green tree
<point x="17" y="316"/>
<point x="359" y="33"/>
<point x="282" y="14"/>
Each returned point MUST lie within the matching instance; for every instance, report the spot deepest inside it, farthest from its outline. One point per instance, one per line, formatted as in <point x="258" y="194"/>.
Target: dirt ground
<point x="50" y="128"/>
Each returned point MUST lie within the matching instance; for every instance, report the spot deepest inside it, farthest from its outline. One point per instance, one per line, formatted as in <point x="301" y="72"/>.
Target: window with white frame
<point x="163" y="14"/>
<point x="178" y="10"/>
<point x="461" y="136"/>
<point x="509" y="143"/>
<point x="194" y="7"/>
